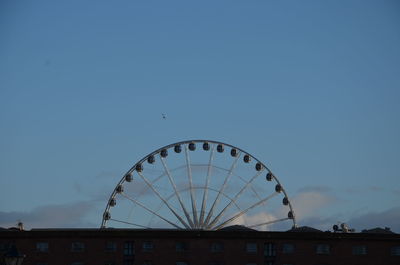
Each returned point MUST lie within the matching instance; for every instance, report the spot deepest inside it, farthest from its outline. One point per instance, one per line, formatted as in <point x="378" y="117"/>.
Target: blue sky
<point x="311" y="88"/>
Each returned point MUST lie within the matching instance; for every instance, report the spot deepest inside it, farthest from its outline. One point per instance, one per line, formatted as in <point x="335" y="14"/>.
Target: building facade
<point x="183" y="247"/>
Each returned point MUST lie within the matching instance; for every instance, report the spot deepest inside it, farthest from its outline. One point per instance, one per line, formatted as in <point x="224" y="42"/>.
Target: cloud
<point x="50" y="216"/>
<point x="310" y="201"/>
<point x="309" y="205"/>
<point x="255" y="219"/>
<point x="387" y="218"/>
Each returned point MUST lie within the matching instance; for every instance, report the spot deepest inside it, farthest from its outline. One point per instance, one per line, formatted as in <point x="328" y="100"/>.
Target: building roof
<point x="378" y="230"/>
<point x="237" y="228"/>
<point x="301" y="233"/>
<point x="305" y="229"/>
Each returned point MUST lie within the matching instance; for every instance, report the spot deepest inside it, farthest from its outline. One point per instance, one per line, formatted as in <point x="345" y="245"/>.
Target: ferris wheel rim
<point x="291" y="213"/>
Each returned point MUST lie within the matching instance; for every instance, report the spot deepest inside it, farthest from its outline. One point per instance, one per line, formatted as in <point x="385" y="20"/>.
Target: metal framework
<point x="197" y="210"/>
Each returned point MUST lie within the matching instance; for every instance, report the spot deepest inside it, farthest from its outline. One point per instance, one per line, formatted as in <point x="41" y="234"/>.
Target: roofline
<point x="188" y="234"/>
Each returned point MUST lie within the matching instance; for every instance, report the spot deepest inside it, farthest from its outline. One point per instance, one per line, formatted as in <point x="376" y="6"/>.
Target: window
<point x="323" y="249"/>
<point x="77" y="247"/>
<point x="359" y="250"/>
<point x="217" y="247"/>
<point x="395" y="251"/>
<point x="111" y="246"/>
<point x="287" y="248"/>
<point x="4" y="246"/>
<point x="129" y="248"/>
<point x="181" y="246"/>
<point x="269" y="250"/>
<point x="42" y="247"/>
<point x="147" y="246"/>
<point x="251" y="247"/>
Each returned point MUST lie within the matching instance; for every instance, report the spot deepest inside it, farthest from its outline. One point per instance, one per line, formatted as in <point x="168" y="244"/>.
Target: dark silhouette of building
<point x="231" y="246"/>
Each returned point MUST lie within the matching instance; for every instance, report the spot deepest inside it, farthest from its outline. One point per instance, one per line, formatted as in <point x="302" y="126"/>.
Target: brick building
<point x="236" y="246"/>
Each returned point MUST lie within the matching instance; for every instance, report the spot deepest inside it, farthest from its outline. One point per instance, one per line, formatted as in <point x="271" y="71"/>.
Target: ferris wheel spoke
<point x="176" y="192"/>
<point x="192" y="196"/>
<point x="205" y="193"/>
<point x="221" y="190"/>
<point x="149" y="210"/>
<point x="255" y="192"/>
<point x="270" y="222"/>
<point x="245" y="211"/>
<point x="201" y="188"/>
<point x="163" y="199"/>
<point x="128" y="223"/>
<point x="216" y="219"/>
<point x="252" y="188"/>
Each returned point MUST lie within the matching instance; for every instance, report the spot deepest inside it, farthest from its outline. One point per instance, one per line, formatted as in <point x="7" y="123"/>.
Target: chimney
<point x="20" y="226"/>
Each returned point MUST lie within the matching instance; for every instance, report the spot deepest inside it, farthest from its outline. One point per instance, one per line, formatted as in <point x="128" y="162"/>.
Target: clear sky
<point x="312" y="88"/>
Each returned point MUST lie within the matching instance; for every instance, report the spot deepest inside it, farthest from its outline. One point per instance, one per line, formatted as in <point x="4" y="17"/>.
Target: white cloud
<point x="255" y="219"/>
<point x="308" y="203"/>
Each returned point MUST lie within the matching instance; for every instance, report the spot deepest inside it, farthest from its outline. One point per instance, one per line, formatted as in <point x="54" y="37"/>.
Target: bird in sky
<point x="164" y="116"/>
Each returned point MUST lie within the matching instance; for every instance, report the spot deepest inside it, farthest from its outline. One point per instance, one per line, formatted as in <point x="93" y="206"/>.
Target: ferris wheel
<point x="199" y="184"/>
